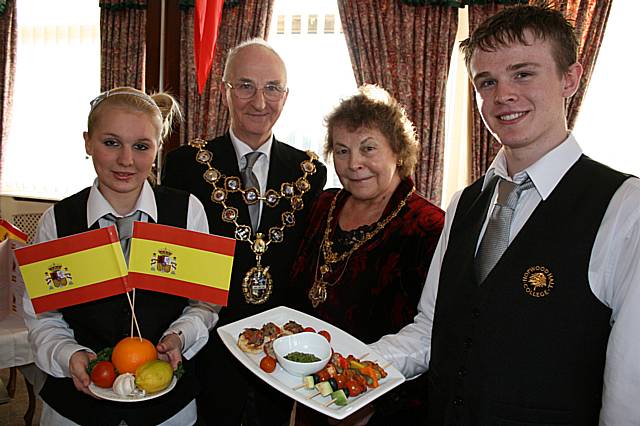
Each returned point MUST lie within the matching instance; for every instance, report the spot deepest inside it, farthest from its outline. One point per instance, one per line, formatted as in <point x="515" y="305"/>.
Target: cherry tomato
<point x="310" y="329"/>
<point x="103" y="374"/>
<point x="268" y="364"/>
<point x="325" y="334"/>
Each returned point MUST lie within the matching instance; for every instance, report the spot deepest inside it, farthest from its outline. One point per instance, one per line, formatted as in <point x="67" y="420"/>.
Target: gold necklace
<point x="318" y="292"/>
<point x="257" y="283"/>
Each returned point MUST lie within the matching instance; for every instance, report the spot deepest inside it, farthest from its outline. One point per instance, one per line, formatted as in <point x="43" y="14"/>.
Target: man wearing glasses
<point x="257" y="190"/>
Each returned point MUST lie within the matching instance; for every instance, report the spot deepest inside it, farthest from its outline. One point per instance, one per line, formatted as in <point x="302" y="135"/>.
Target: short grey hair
<point x="257" y="41"/>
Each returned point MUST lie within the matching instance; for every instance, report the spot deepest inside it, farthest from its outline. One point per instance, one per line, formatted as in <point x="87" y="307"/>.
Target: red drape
<point x="207" y="20"/>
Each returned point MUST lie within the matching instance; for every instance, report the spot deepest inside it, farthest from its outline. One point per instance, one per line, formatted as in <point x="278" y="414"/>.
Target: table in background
<point x="15" y="351"/>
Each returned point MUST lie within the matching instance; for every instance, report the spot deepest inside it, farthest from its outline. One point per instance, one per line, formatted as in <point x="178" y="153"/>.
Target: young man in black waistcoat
<point x="255" y="91"/>
<point x="546" y="336"/>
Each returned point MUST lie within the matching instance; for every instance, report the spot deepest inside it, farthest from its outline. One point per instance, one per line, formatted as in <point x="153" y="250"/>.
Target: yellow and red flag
<point x="73" y="270"/>
<point x="8" y="231"/>
<point x="181" y="262"/>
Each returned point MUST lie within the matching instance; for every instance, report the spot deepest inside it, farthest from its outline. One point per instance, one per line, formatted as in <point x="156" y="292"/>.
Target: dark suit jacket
<point x="228" y="394"/>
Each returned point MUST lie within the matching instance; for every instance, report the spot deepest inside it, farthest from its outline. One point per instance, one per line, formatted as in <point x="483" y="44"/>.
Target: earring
<point x="399" y="163"/>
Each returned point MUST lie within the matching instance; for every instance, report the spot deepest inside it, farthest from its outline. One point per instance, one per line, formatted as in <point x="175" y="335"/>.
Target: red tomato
<point x="103" y="374"/>
<point x="325" y="334"/>
<point x="268" y="364"/>
<point x="354" y="387"/>
<point x="310" y="329"/>
<point x="323" y="375"/>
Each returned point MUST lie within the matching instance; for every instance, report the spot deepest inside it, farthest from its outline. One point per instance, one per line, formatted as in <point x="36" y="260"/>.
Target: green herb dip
<point x="301" y="357"/>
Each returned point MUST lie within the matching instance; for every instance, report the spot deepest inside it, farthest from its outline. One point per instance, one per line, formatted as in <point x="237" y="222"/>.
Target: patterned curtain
<point x="406" y="49"/>
<point x="590" y="18"/>
<point x="8" y="42"/>
<point x="206" y="116"/>
<point x="123" y="43"/>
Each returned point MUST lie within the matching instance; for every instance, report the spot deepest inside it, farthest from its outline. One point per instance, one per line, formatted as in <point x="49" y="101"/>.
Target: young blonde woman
<point x="124" y="130"/>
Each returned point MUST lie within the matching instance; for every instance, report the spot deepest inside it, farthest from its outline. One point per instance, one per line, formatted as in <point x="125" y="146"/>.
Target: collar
<point x="98" y="206"/>
<point x="545" y="173"/>
<point x="242" y="148"/>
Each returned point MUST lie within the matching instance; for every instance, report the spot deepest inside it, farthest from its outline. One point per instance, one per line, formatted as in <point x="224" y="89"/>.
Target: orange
<point x="132" y="352"/>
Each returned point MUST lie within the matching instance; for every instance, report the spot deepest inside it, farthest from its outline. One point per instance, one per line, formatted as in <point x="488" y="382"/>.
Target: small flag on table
<point x="73" y="270"/>
<point x="181" y="262"/>
<point x="8" y="231"/>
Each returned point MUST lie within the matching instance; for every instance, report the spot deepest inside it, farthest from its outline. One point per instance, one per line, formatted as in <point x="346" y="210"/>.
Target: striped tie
<point x="496" y="236"/>
<point x="250" y="180"/>
<point x="125" y="230"/>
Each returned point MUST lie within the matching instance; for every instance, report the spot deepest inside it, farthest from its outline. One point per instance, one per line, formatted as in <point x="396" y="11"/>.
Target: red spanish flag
<point x="181" y="262"/>
<point x="73" y="270"/>
<point x="8" y="231"/>
<point x="208" y="14"/>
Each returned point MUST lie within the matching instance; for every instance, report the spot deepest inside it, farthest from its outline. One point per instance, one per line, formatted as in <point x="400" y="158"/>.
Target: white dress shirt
<point x="261" y="166"/>
<point x="614" y="278"/>
<point x="51" y="338"/>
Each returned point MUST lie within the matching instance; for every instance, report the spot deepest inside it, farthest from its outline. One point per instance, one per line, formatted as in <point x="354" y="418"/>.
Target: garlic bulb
<point x="124" y="384"/>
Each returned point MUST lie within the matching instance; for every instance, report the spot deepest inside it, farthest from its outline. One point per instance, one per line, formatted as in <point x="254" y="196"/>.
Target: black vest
<point x="102" y="323"/>
<point x="527" y="346"/>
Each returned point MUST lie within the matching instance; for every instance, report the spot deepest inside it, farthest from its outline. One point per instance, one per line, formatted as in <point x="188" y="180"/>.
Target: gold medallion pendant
<point x="257" y="284"/>
<point x="318" y="293"/>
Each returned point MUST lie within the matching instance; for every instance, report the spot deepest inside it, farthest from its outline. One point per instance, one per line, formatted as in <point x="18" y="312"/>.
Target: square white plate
<point x="341" y="342"/>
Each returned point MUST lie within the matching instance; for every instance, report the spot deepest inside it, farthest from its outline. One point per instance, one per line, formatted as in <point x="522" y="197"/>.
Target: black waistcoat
<point x="102" y="323"/>
<point x="529" y="345"/>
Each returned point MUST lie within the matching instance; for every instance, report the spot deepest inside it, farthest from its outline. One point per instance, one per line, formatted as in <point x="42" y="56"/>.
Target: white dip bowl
<point x="307" y="342"/>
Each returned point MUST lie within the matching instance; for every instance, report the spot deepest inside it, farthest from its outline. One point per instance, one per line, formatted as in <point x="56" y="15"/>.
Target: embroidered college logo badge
<point x="538" y="281"/>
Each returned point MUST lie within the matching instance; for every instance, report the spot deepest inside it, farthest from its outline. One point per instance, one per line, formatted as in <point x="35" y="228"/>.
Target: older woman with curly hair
<point x="366" y="251"/>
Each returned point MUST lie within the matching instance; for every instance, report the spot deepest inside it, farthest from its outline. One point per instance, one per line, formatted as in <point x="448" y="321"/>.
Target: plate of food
<point x="349" y="379"/>
<point x="136" y="395"/>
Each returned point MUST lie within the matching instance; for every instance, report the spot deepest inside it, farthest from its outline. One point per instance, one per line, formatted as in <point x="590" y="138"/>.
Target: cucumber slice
<point x="339" y="398"/>
<point x="324" y="388"/>
<point x="308" y="382"/>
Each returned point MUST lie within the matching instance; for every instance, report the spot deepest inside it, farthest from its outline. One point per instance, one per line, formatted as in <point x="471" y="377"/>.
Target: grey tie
<point x="496" y="236"/>
<point x="125" y="231"/>
<point x="250" y="180"/>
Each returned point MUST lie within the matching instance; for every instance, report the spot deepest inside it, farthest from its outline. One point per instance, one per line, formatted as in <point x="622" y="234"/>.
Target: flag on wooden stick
<point x="181" y="262"/>
<point x="9" y="231"/>
<point x="73" y="270"/>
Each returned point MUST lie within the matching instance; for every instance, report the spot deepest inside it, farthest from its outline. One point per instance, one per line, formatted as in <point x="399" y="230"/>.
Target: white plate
<point x="109" y="394"/>
<point x="341" y="342"/>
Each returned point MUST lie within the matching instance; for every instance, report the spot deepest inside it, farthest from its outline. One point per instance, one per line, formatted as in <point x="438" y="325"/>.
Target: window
<point x="313" y="24"/>
<point x="319" y="73"/>
<point x="606" y="125"/>
<point x="280" y="29"/>
<point x="329" y="23"/>
<point x="57" y="74"/>
<point x="296" y="23"/>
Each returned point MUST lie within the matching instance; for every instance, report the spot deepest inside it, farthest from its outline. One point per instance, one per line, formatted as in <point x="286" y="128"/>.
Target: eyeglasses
<point x="247" y="90"/>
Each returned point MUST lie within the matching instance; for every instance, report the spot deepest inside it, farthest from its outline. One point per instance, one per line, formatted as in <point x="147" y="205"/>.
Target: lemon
<point x="154" y="376"/>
